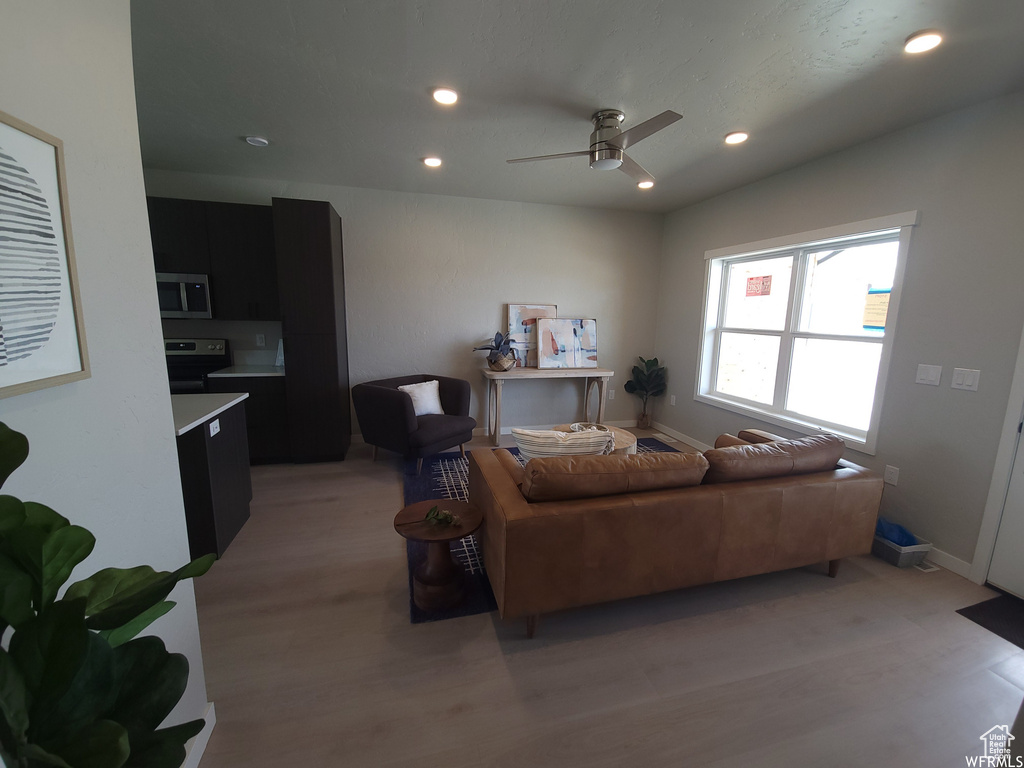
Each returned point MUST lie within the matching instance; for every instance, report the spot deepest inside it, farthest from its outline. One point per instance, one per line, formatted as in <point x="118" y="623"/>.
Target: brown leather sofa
<point x="577" y="530"/>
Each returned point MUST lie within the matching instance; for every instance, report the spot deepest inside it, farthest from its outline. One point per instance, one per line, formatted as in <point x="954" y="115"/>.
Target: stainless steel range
<point x="190" y="360"/>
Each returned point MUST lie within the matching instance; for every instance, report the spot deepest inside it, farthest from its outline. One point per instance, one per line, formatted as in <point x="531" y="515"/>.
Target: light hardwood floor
<point x="311" y="659"/>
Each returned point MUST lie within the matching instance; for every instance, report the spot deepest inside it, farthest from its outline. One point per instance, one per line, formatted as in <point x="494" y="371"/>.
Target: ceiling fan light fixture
<point x="736" y="137"/>
<point x="432" y="162"/>
<point x="645" y="184"/>
<point x="922" y="41"/>
<point x="445" y="96"/>
<point x="257" y="141"/>
<point x="605" y="158"/>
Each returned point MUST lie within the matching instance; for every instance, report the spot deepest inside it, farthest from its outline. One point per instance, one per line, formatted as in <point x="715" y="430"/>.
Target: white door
<point x="1007" y="568"/>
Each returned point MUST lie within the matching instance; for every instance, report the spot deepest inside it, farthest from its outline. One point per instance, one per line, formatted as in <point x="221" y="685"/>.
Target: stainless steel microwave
<point x="183" y="295"/>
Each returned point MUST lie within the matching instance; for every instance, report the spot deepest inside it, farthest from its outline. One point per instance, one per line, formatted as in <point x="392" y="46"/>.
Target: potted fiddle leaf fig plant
<point x="648" y="381"/>
<point x="78" y="686"/>
<point x="501" y="356"/>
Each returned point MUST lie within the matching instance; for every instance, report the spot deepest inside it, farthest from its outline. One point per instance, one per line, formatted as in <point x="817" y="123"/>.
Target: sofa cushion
<point x="440" y="431"/>
<point x="580" y="477"/>
<point x="818" y="453"/>
<point x="539" y="443"/>
<point x="426" y="397"/>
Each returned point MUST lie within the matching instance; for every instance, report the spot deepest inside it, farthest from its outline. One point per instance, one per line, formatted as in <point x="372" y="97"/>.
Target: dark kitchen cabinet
<point x="319" y="420"/>
<point x="243" y="272"/>
<point x="311" y="283"/>
<point x="266" y="416"/>
<point x="178" y="230"/>
<point x="215" y="481"/>
<point x="233" y="243"/>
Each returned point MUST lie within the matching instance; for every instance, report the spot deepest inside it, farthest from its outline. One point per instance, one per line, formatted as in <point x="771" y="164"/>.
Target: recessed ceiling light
<point x="445" y="96"/>
<point x="736" y="137"/>
<point x="256" y="141"/>
<point x="433" y="162"/>
<point x="645" y="184"/>
<point x="919" y="42"/>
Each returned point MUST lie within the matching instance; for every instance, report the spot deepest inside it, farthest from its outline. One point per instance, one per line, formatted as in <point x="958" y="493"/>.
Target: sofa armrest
<point x="759" y="436"/>
<point x="725" y="440"/>
<point x="533" y="553"/>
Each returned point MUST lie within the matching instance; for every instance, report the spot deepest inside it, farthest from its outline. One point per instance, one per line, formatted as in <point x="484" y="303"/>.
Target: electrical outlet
<point x="611" y="394"/>
<point x="892" y="474"/>
<point x="261" y="340"/>
<point x="214" y="427"/>
<point x="671" y="399"/>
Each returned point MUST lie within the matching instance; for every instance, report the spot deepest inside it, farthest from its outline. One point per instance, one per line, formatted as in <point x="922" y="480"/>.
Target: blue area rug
<point x="446" y="476"/>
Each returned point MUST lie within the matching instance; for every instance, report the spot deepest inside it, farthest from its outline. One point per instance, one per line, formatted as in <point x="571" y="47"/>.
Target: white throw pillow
<point x="426" y="397"/>
<point x="539" y="443"/>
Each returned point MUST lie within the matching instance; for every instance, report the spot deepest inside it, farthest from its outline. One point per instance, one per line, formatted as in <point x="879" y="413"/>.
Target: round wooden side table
<point x="438" y="582"/>
<point x="625" y="441"/>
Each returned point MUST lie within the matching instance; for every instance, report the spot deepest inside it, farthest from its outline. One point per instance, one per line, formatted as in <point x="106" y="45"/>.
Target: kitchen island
<point x="213" y="459"/>
<point x="266" y="410"/>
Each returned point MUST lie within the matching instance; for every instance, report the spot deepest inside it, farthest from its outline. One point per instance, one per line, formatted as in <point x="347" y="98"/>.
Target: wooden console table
<point x="591" y="376"/>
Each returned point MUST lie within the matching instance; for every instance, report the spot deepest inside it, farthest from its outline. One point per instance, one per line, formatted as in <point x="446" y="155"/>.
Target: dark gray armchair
<point x="387" y="419"/>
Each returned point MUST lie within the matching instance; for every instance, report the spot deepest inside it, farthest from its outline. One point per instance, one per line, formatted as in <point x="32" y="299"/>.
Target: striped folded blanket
<point x="540" y="443"/>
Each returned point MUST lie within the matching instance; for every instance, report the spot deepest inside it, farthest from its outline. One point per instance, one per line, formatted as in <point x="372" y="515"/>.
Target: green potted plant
<point x="78" y="687"/>
<point x="501" y="355"/>
<point x="648" y="381"/>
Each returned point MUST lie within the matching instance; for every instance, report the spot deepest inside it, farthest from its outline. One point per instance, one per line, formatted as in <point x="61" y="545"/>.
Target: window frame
<point x="712" y="324"/>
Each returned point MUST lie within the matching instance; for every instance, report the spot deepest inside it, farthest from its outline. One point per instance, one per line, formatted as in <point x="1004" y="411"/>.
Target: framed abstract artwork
<point x="564" y="342"/>
<point x="522" y="327"/>
<point x="42" y="335"/>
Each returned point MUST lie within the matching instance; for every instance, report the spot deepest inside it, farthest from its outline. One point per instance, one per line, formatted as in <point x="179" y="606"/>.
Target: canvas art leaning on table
<point x="522" y="328"/>
<point x="566" y="342"/>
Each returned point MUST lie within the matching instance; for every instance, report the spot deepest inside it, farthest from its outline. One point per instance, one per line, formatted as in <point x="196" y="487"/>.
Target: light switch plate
<point x="214" y="427"/>
<point x="966" y="378"/>
<point x="929" y="374"/>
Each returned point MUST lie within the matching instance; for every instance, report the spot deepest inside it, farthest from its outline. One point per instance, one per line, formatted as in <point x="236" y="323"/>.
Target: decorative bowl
<point x="583" y="426"/>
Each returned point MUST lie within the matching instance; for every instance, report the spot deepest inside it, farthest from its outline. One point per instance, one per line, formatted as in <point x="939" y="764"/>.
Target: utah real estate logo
<point x="997" y="750"/>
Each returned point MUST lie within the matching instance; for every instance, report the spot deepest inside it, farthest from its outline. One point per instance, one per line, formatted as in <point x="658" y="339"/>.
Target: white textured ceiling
<point x="342" y="89"/>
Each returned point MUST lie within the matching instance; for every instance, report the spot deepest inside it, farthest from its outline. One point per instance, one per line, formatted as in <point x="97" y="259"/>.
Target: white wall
<point x="428" y="277"/>
<point x="102" y="449"/>
<point x="961" y="304"/>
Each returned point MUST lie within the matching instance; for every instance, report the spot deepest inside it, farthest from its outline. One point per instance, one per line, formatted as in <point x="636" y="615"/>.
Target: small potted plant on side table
<point x="501" y="356"/>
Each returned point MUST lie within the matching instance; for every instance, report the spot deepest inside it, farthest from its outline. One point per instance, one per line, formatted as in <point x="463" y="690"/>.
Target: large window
<point x="797" y="331"/>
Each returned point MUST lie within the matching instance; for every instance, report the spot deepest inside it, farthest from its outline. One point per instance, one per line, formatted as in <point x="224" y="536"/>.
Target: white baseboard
<point x="680" y="436"/>
<point x="196" y="746"/>
<point x="950" y="563"/>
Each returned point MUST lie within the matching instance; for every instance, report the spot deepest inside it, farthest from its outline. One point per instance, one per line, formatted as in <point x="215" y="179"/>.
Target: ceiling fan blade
<point x="548" y="157"/>
<point x="633" y="169"/>
<point x="644" y="129"/>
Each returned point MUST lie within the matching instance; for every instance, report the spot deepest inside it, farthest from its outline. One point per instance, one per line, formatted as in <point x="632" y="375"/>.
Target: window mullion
<point x="786" y="337"/>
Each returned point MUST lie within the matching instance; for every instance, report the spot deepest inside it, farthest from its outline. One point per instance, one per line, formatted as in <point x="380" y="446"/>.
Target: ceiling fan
<point x="608" y="143"/>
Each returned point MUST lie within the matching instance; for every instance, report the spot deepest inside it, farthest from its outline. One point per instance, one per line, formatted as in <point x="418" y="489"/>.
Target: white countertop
<point x="192" y="410"/>
<point x="247" y="370"/>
